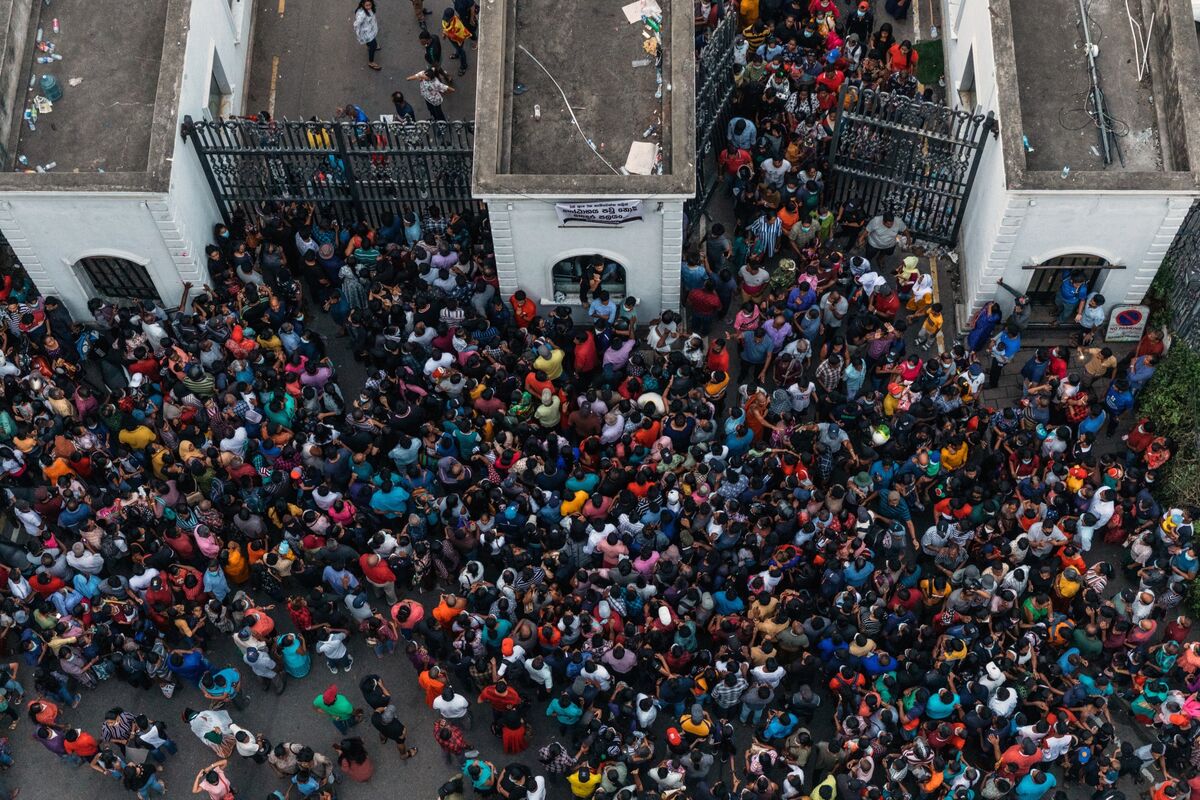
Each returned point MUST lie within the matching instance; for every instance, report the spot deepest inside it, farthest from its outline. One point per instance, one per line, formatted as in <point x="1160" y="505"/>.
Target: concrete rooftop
<point x="1052" y="69"/>
<point x="1042" y="82"/>
<point x="613" y="101"/>
<point x="104" y="122"/>
<point x="589" y="48"/>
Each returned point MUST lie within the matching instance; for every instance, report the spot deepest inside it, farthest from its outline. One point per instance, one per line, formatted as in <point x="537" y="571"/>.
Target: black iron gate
<point x="1183" y="261"/>
<point x="914" y="158"/>
<point x="714" y="93"/>
<point x="349" y="171"/>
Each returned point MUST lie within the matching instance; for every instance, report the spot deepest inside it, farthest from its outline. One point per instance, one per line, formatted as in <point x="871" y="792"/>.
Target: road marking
<point x="275" y="80"/>
<point x="941" y="334"/>
<point x="282" y="4"/>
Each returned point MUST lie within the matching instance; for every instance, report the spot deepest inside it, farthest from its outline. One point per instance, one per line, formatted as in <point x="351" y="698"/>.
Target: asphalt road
<point x="306" y="62"/>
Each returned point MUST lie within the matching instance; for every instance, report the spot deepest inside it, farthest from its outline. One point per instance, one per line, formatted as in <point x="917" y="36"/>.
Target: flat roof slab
<point x="589" y="48"/>
<point x="105" y="121"/>
<point x="1052" y="72"/>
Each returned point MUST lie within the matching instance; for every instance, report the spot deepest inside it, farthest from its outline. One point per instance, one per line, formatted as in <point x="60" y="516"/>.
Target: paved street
<point x="306" y="61"/>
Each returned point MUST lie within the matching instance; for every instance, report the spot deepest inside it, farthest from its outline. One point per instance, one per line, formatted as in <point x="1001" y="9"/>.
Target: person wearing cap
<point x="338" y="708"/>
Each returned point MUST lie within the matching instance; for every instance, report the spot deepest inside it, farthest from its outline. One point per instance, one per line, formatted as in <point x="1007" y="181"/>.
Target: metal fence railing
<point x="348" y="170"/>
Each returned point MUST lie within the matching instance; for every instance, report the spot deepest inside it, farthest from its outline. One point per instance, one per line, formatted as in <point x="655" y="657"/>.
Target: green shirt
<point x="341" y="708"/>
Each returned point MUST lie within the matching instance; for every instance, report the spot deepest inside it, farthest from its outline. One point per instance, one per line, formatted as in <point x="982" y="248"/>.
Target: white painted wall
<point x="56" y="229"/>
<point x="969" y="32"/>
<point x="167" y="233"/>
<point x="1005" y="230"/>
<point x="220" y="32"/>
<point x="529" y="241"/>
<point x="1127" y="229"/>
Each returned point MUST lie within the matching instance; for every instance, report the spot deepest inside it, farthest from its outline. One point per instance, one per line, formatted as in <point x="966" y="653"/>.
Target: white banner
<point x="606" y="212"/>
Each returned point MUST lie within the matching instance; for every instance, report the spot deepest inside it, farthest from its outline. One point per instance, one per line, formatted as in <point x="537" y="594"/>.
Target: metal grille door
<point x="714" y="93"/>
<point x="118" y="279"/>
<point x="349" y="171"/>
<point x="914" y="158"/>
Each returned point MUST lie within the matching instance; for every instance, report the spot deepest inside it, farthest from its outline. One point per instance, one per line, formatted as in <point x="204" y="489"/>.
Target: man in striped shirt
<point x="767" y="229"/>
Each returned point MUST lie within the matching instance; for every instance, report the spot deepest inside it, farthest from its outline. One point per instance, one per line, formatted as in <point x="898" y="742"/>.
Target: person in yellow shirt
<point x="930" y="325"/>
<point x="584" y="782"/>
<point x="136" y="436"/>
<point x="696" y="723"/>
<point x="575" y="504"/>
<point x="954" y="455"/>
<point x="549" y="361"/>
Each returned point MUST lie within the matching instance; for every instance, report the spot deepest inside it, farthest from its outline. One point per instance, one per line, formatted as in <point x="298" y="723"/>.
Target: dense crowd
<point x="782" y="548"/>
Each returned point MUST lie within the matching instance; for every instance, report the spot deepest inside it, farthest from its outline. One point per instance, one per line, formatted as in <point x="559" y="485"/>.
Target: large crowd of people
<point x="785" y="546"/>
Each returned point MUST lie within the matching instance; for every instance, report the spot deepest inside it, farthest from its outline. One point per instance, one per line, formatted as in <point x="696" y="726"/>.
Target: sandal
<point x="374" y="66"/>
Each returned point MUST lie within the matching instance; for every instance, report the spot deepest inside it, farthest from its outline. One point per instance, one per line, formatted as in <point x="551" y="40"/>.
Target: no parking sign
<point x="1126" y="323"/>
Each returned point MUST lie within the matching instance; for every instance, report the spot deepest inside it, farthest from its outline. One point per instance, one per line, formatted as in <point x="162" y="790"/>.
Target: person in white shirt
<point x="454" y="708"/>
<point x="333" y="646"/>
<point x="646" y="712"/>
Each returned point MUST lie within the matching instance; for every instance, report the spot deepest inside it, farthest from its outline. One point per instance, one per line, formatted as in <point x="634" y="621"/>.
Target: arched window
<point x="117" y="279"/>
<point x="570" y="286"/>
<point x="1048" y="275"/>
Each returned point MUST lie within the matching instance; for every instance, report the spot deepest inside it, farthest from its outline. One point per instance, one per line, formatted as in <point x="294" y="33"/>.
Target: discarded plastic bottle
<point x="23" y="160"/>
<point x="54" y="25"/>
<point x="44" y="59"/>
<point x="49" y="165"/>
<point x="653" y="129"/>
<point x="40" y="36"/>
<point x="51" y="88"/>
<point x="56" y="56"/>
<point x="1066" y="171"/>
<point x="537" y="111"/>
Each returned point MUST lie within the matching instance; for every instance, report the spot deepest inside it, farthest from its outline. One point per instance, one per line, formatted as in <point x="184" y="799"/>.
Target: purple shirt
<point x="777" y="335"/>
<point x="616" y="357"/>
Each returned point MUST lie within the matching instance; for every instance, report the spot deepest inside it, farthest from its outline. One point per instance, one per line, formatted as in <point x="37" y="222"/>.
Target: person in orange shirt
<point x="447" y="609"/>
<point x="432" y="682"/>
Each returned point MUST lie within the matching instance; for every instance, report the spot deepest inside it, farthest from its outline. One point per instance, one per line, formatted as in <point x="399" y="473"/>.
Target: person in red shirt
<point x="501" y="697"/>
<point x="587" y="360"/>
<point x="705" y="305"/>
<point x="379" y="575"/>
<point x="80" y="745"/>
<point x="717" y="358"/>
<point x="45" y="584"/>
<point x="902" y="57"/>
<point x="1018" y="759"/>
<point x="885" y="303"/>
<point x="524" y="309"/>
<point x="733" y="158"/>
<point x="832" y="78"/>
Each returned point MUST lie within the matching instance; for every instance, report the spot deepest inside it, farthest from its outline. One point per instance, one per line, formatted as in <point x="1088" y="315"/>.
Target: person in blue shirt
<point x="1117" y="401"/>
<point x="1004" y="349"/>
<point x="742" y="133"/>
<point x="942" y="704"/>
<point x="858" y="572"/>
<point x="1094" y="421"/>
<point x="780" y="726"/>
<point x="389" y="500"/>
<point x="695" y="271"/>
<point x="1141" y="371"/>
<point x="602" y="307"/>
<point x="565" y="710"/>
<point x="1072" y="293"/>
<point x="188" y="665"/>
<point x="755" y="355"/>
<point x="1035" y="785"/>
